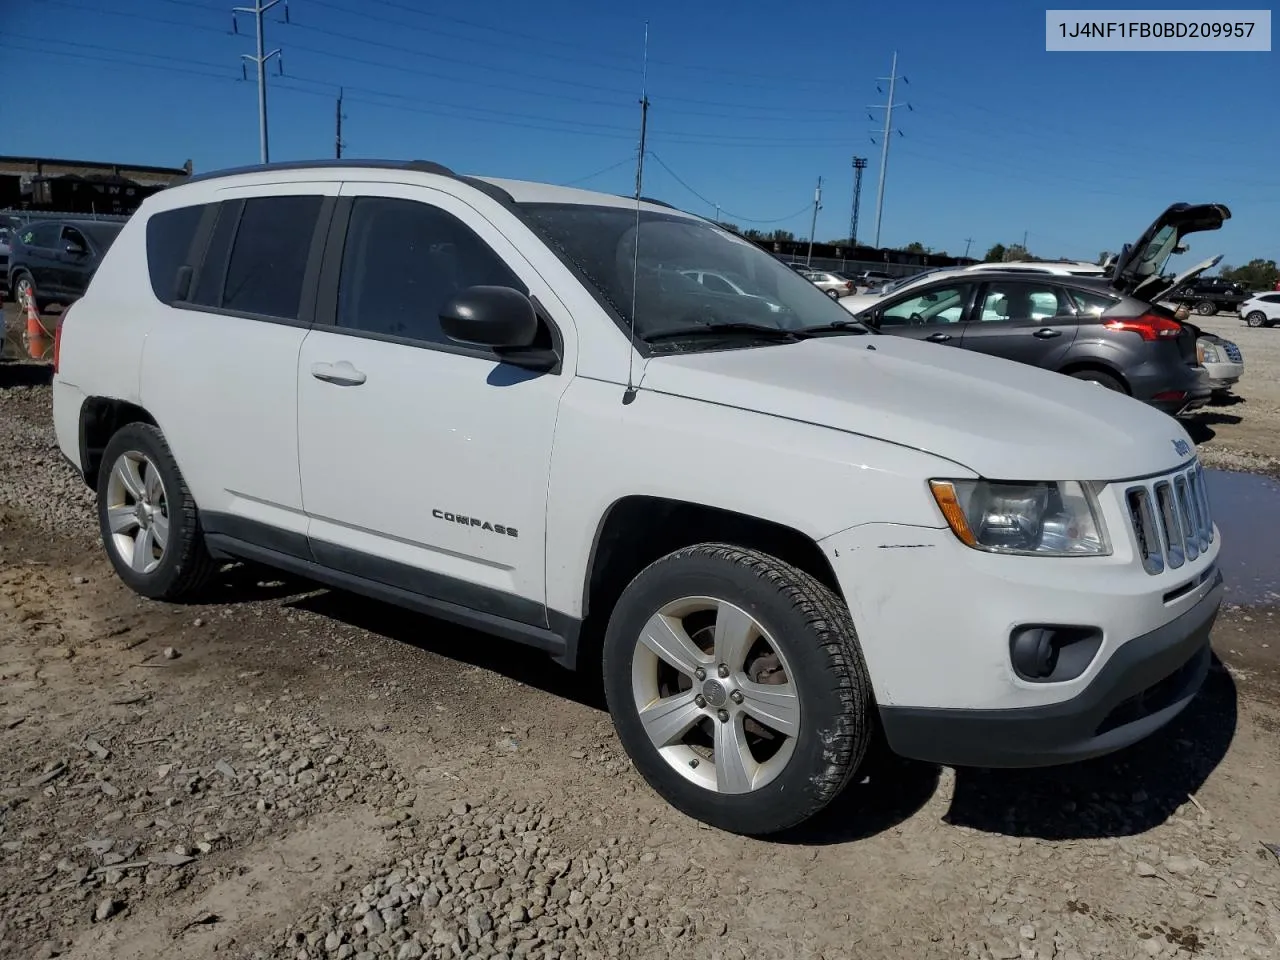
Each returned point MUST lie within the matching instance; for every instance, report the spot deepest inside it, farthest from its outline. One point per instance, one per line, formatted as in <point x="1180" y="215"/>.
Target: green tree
<point x="753" y="234"/>
<point x="915" y="247"/>
<point x="996" y="254"/>
<point x="782" y="236"/>
<point x="1255" y="275"/>
<point x="1016" y="252"/>
<point x="1103" y="257"/>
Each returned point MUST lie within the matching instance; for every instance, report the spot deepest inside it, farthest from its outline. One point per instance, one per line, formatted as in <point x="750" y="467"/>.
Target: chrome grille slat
<point x="1171" y="518"/>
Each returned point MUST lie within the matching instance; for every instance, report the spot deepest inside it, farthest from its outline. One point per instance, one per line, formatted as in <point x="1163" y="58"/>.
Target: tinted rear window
<point x="169" y="238"/>
<point x="269" y="257"/>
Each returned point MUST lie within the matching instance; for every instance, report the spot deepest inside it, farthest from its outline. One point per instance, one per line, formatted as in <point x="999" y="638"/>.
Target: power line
<point x="732" y="216"/>
<point x="599" y="173"/>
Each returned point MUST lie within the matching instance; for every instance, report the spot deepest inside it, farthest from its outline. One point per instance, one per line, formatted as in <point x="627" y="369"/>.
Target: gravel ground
<point x="286" y="772"/>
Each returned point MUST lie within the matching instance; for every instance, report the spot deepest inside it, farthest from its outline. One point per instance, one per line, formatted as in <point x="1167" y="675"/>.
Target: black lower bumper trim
<point x="1145" y="684"/>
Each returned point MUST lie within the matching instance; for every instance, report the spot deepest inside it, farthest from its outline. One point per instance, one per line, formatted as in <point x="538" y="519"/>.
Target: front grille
<point x="1233" y="352"/>
<point x="1171" y="519"/>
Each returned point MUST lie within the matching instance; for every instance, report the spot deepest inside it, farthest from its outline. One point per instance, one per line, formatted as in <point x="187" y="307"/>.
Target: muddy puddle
<point x="1246" y="508"/>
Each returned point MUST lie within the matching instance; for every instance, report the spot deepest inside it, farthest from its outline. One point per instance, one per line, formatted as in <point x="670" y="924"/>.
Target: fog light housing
<point x="1044" y="653"/>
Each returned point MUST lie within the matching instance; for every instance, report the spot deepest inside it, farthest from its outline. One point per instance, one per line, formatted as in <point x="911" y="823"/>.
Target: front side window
<point x="269" y="258"/>
<point x="1012" y="302"/>
<point x="646" y="269"/>
<point x="942" y="304"/>
<point x="403" y="261"/>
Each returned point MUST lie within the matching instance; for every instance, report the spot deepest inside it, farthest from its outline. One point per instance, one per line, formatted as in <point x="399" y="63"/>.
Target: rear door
<point x="1031" y="321"/>
<point x="41" y="258"/>
<point x="222" y="361"/>
<point x="936" y="313"/>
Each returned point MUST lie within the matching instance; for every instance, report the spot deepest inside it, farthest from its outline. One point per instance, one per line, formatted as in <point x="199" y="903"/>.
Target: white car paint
<point x="834" y="438"/>
<point x="1261" y="309"/>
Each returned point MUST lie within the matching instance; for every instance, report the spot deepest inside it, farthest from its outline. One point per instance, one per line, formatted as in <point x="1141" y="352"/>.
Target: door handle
<point x="341" y="373"/>
<point x="938" y="337"/>
<point x="1046" y="333"/>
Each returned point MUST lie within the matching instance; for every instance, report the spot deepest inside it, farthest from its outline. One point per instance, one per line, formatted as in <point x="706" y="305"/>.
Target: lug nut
<point x="736" y="696"/>
<point x="722" y="670"/>
<point x="700" y="701"/>
<point x="700" y="674"/>
<point x="723" y="715"/>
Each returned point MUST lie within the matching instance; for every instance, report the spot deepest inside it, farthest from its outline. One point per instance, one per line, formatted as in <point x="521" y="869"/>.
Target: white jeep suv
<point x="505" y="404"/>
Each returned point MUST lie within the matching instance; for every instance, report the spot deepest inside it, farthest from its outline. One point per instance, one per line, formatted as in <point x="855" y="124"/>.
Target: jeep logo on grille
<point x="1182" y="447"/>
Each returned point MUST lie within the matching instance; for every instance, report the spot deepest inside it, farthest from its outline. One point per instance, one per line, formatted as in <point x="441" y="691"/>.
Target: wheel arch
<point x="1097" y="365"/>
<point x="637" y="530"/>
<point x="100" y="419"/>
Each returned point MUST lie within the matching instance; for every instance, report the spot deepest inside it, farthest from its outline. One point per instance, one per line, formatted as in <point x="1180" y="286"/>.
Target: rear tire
<point x="834" y="295"/>
<point x="1101" y="379"/>
<point x="781" y="716"/>
<point x="148" y="520"/>
<point x="1206" y="308"/>
<point x="1256" y="319"/>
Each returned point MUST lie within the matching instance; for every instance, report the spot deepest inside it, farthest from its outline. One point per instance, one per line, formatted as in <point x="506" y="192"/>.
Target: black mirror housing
<point x="486" y="316"/>
<point x="74" y="249"/>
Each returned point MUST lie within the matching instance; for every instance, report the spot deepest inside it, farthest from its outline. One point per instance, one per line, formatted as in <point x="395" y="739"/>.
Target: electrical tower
<point x="859" y="164"/>
<point x="260" y="60"/>
<point x="888" y="108"/>
<point x="813" y="226"/>
<point x="967" y="242"/>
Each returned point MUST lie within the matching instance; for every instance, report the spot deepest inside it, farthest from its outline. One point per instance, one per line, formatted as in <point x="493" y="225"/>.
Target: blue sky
<point x="750" y="103"/>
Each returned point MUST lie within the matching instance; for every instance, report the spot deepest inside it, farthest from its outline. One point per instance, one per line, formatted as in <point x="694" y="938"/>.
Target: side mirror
<point x="497" y="317"/>
<point x="871" y="319"/>
<point x="505" y="320"/>
<point x="74" y="249"/>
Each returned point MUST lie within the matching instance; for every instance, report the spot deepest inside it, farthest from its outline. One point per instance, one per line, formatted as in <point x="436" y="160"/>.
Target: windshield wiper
<point x="723" y="328"/>
<point x="840" y="326"/>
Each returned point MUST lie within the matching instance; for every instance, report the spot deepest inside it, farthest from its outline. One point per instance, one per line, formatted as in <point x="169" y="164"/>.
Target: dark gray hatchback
<point x="1108" y="330"/>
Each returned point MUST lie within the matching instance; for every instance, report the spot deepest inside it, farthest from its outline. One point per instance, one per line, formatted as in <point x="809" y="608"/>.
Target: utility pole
<point x="888" y="108"/>
<point x="1024" y="240"/>
<point x="260" y="60"/>
<point x="717" y="213"/>
<point x="813" y="226"/>
<point x="337" y="142"/>
<point x="859" y="164"/>
<point x="967" y="242"/>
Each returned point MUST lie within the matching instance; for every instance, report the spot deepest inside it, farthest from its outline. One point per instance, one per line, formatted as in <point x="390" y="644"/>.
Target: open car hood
<point x="1144" y="260"/>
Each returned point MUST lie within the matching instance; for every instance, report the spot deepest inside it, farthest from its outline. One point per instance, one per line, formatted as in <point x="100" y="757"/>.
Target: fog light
<point x="1041" y="653"/>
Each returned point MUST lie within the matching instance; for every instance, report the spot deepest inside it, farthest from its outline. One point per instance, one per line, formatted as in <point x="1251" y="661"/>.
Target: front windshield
<point x="683" y="264"/>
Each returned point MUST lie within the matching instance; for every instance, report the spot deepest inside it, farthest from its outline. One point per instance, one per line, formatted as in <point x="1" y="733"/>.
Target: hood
<point x="1145" y="259"/>
<point x="1003" y="420"/>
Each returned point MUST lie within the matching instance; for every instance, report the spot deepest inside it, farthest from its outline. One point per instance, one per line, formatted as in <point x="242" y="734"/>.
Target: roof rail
<point x="420" y="166"/>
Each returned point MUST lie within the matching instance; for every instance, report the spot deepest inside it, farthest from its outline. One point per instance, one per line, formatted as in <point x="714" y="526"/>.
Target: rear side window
<point x="1092" y="304"/>
<point x="169" y="238"/>
<point x="1271" y="298"/>
<point x="269" y="256"/>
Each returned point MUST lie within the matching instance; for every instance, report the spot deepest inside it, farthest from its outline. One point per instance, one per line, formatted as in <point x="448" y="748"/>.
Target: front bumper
<point x="1145" y="684"/>
<point x="1225" y="374"/>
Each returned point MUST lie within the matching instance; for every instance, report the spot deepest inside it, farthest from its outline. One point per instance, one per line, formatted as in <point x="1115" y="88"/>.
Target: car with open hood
<point x="1110" y="330"/>
<point x="774" y="533"/>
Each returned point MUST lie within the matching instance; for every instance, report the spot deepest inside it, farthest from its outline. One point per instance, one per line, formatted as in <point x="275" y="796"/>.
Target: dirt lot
<point x="288" y="772"/>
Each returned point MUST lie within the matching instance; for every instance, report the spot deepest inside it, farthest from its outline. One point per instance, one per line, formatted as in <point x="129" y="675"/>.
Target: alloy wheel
<point x="137" y="511"/>
<point x="715" y="695"/>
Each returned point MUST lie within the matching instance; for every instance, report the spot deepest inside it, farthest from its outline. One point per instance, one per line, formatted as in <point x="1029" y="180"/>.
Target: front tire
<point x="1256" y="319"/>
<point x="1206" y="308"/>
<point x="737" y="687"/>
<point x="148" y="520"/>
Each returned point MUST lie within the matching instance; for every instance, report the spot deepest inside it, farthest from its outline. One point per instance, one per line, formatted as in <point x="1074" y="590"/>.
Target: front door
<point x="1030" y="321"/>
<point x="935" y="314"/>
<point x="424" y="462"/>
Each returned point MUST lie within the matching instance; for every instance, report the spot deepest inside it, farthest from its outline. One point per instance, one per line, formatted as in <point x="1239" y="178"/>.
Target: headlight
<point x="1054" y="519"/>
<point x="1209" y="353"/>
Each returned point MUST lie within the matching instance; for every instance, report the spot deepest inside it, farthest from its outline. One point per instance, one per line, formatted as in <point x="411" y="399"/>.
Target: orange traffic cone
<point x="34" y="327"/>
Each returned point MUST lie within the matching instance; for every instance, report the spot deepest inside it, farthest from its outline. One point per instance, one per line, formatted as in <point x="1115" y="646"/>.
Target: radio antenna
<point x="630" y="393"/>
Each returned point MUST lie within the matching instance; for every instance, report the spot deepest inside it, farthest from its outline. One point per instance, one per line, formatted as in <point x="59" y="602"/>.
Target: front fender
<point x="815" y="480"/>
